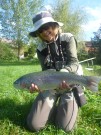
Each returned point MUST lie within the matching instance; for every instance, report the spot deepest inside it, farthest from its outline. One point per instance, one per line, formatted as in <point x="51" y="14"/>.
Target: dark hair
<point x="47" y="25"/>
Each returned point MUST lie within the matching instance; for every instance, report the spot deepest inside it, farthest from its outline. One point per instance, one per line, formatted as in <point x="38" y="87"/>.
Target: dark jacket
<point x="64" y="49"/>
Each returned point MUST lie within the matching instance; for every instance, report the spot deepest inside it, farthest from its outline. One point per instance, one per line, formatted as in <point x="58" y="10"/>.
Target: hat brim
<point x="33" y="33"/>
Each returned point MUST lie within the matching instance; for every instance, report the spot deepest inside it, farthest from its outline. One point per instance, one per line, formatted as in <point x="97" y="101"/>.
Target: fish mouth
<point x="15" y="84"/>
<point x="19" y="85"/>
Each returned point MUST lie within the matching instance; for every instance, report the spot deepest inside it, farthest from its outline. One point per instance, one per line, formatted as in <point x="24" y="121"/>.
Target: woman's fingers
<point x="64" y="85"/>
<point x="33" y="88"/>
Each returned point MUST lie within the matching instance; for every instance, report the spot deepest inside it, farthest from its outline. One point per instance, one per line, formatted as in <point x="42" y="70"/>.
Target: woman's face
<point x="48" y="32"/>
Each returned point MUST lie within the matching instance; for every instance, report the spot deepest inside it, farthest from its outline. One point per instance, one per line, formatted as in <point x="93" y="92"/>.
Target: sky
<point x="93" y="10"/>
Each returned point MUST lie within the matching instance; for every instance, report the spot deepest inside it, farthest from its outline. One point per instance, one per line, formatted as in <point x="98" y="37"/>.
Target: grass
<point x="15" y="105"/>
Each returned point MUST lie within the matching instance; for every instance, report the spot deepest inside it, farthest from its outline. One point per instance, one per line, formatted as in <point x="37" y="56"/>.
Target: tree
<point x="72" y="19"/>
<point x="96" y="43"/>
<point x="97" y="37"/>
<point x="16" y="19"/>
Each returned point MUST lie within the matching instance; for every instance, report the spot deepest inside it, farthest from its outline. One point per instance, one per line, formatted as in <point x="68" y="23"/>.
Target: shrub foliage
<point x="6" y="53"/>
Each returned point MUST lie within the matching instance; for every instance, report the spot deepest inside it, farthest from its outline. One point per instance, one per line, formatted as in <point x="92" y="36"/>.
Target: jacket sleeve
<point x="42" y="56"/>
<point x="73" y="64"/>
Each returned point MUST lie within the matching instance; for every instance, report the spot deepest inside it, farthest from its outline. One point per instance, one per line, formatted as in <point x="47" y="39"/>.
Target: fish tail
<point x="93" y="83"/>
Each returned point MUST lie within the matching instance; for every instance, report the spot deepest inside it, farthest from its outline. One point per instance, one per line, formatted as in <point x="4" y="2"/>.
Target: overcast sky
<point x="93" y="10"/>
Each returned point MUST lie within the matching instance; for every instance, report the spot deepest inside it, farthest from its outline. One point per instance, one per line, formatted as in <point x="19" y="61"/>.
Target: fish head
<point x="21" y="83"/>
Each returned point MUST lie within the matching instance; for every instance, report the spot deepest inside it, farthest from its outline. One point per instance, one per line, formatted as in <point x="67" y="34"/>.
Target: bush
<point x="6" y="53"/>
<point x="82" y="56"/>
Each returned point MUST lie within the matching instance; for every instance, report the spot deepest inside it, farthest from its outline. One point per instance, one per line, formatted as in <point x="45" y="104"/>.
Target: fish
<point x="50" y="79"/>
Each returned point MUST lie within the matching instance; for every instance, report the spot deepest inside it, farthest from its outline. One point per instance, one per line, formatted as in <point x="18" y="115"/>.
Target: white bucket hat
<point x="40" y="19"/>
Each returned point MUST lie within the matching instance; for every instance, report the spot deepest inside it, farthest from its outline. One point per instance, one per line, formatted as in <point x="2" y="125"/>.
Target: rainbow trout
<point x="51" y="79"/>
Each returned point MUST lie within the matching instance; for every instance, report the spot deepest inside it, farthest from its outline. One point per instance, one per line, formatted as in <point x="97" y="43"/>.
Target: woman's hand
<point x="34" y="88"/>
<point x="64" y="86"/>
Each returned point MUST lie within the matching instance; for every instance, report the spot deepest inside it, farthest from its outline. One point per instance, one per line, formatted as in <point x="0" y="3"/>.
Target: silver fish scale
<point x="51" y="79"/>
<point x="47" y="78"/>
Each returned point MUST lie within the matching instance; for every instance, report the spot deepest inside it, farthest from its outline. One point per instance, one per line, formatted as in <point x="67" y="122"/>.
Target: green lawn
<point x="15" y="105"/>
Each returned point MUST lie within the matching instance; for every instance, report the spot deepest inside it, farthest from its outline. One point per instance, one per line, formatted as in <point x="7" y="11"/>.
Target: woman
<point x="57" y="50"/>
